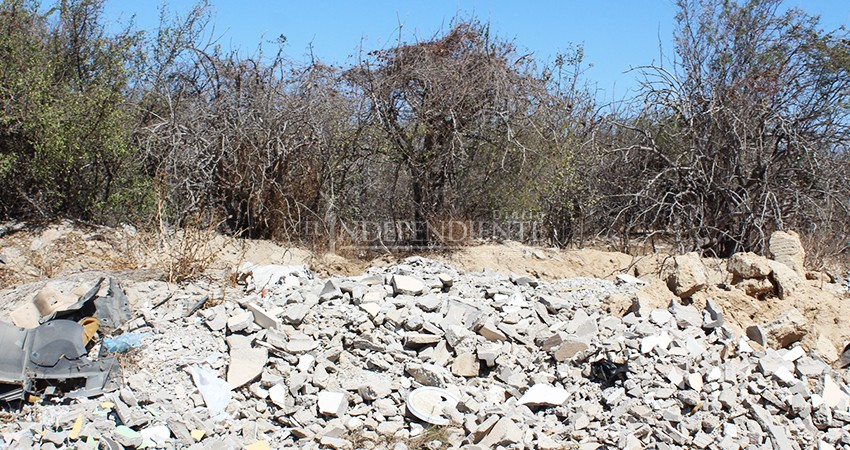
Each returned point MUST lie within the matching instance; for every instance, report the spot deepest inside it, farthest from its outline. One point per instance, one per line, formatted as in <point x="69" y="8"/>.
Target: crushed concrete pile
<point x="421" y="355"/>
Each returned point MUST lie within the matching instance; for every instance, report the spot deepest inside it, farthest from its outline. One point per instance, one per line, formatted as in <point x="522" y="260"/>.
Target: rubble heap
<point x="421" y="355"/>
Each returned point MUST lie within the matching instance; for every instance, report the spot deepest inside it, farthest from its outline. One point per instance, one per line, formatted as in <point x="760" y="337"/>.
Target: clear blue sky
<point x="617" y="35"/>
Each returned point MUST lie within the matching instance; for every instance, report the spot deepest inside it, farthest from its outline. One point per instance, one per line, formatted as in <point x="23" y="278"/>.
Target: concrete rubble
<point x="290" y="360"/>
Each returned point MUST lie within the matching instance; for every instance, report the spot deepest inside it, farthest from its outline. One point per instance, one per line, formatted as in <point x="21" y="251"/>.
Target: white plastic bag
<point x="214" y="390"/>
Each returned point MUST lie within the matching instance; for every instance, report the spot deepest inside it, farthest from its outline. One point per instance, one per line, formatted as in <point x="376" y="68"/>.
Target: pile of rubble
<point x="419" y="355"/>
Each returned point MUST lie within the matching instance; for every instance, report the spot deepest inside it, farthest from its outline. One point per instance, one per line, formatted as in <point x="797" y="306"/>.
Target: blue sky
<point x="617" y="35"/>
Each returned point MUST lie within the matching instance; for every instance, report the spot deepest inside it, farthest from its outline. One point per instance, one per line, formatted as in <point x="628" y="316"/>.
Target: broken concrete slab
<point x="246" y="365"/>
<point x="407" y="285"/>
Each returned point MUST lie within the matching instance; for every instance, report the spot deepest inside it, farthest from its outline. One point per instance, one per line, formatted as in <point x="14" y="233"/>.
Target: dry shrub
<point x="186" y="253"/>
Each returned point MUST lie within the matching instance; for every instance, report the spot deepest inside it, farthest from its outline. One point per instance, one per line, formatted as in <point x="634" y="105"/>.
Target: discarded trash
<point x="112" y="311"/>
<point x="258" y="277"/>
<point x="54" y="351"/>
<point x="427" y="403"/>
<point x="124" y="342"/>
<point x="214" y="390"/>
<point x="90" y="327"/>
<point x="608" y="372"/>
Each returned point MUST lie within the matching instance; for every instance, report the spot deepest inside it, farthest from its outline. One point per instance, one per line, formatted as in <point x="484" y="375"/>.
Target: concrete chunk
<point x="246" y="365"/>
<point x="332" y="403"/>
<point x="406" y="285"/>
<point x="466" y="365"/>
<point x="240" y="322"/>
<point x="748" y="265"/>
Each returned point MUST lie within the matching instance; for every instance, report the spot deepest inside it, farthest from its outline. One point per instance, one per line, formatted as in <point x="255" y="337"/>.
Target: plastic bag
<point x="214" y="390"/>
<point x="124" y="342"/>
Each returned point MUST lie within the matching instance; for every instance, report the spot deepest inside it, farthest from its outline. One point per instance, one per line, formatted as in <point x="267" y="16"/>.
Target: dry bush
<point x="184" y="252"/>
<point x="745" y="132"/>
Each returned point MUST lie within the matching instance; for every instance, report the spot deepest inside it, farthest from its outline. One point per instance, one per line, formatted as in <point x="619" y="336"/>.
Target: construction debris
<point x="420" y="349"/>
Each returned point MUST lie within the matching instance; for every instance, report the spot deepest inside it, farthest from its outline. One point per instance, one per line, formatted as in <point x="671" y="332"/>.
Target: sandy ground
<point x="69" y="256"/>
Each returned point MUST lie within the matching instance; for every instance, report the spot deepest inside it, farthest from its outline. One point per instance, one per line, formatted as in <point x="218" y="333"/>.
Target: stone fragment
<point x="756" y="287"/>
<point x="294" y="314"/>
<point x="713" y="315"/>
<point x="278" y="395"/>
<point x="491" y="333"/>
<point x="504" y="432"/>
<point x="301" y="343"/>
<point x="778" y="434"/>
<point x="332" y="403"/>
<point x="686" y="275"/>
<point x="426" y="374"/>
<point x="686" y="315"/>
<point x="330" y="291"/>
<point x="429" y="303"/>
<point x="570" y="348"/>
<point x="240" y="321"/>
<point x="466" y="365"/>
<point x="695" y="381"/>
<point x="261" y="316"/>
<point x="246" y="365"/>
<point x="127" y="436"/>
<point x="786" y="248"/>
<point x="259" y="445"/>
<point x="833" y="395"/>
<point x="660" y="317"/>
<point x="788" y="328"/>
<point x="624" y="278"/>
<point x="748" y="265"/>
<point x="420" y="339"/>
<point x="407" y="285"/>
<point x="446" y="280"/>
<point x="336" y="443"/>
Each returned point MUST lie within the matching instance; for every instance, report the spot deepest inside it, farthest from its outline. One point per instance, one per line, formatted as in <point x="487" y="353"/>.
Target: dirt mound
<point x="65" y="252"/>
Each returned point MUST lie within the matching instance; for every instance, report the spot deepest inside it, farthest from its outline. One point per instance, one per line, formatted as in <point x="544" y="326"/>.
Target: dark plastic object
<point x="608" y="372"/>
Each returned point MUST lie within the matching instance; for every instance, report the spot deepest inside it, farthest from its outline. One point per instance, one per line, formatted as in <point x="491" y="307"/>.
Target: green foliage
<point x="65" y="125"/>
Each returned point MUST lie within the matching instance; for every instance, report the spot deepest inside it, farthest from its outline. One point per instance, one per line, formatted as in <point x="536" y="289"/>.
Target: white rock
<point x="744" y="346"/>
<point x="816" y="400"/>
<point x="784" y="375"/>
<point x="240" y="321"/>
<point x="714" y="374"/>
<point x="695" y="381"/>
<point x="794" y="354"/>
<point x="332" y="403"/>
<point x="833" y="395"/>
<point x="625" y="278"/>
<point x="305" y="362"/>
<point x="246" y="364"/>
<point x="277" y="394"/>
<point x="675" y="376"/>
<point x="648" y="343"/>
<point x="660" y="317"/>
<point x="405" y="285"/>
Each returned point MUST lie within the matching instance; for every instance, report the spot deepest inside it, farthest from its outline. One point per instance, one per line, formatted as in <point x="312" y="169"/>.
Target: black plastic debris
<point x="51" y="355"/>
<point x="608" y="372"/>
<point x="112" y="310"/>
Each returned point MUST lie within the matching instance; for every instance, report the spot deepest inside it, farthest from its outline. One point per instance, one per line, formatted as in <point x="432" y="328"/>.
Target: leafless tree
<point x="745" y="133"/>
